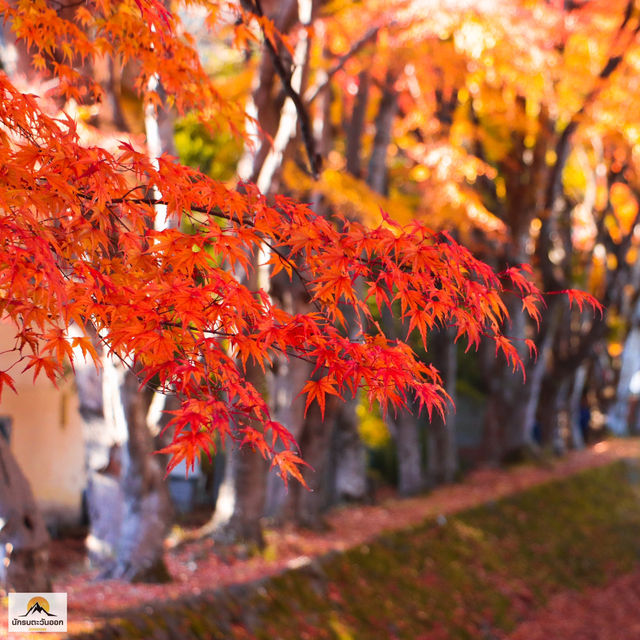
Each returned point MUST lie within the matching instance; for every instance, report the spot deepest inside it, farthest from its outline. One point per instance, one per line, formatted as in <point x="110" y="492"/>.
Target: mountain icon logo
<point x="38" y="605"/>
<point x="36" y="611"/>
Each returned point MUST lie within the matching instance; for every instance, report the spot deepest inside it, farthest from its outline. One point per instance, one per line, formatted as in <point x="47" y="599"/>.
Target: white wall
<point x="46" y="437"/>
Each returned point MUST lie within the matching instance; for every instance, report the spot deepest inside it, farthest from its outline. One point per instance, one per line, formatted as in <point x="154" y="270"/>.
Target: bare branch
<point x="314" y="91"/>
<point x="315" y="161"/>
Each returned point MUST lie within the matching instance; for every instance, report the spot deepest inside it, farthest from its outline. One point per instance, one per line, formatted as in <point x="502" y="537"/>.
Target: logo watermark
<point x="44" y="612"/>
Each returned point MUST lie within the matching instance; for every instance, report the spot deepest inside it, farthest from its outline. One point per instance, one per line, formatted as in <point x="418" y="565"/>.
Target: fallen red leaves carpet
<point x="609" y="613"/>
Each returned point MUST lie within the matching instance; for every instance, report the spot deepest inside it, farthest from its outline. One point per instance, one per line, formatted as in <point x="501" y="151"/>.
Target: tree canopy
<point x="84" y="237"/>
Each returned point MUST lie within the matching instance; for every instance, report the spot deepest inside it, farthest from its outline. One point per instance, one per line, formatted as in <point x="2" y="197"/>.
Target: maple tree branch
<point x="295" y="270"/>
<point x="292" y="265"/>
<point x="225" y="334"/>
<point x="314" y="91"/>
<point x="220" y="214"/>
<point x="217" y="213"/>
<point x="315" y="161"/>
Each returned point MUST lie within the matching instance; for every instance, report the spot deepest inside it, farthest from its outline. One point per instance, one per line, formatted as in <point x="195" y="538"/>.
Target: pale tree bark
<point x="617" y="417"/>
<point x="576" y="435"/>
<point x="13" y="58"/>
<point x="103" y="440"/>
<point x="24" y="540"/>
<point x="265" y="104"/>
<point x="127" y="496"/>
<point x="537" y="368"/>
<point x="147" y="508"/>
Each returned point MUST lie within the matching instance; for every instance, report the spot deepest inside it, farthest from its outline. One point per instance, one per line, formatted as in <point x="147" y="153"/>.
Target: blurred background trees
<point x="509" y="125"/>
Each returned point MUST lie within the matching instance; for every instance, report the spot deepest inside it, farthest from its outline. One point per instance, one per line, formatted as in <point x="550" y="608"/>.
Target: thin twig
<point x="315" y="161"/>
<point x="314" y="91"/>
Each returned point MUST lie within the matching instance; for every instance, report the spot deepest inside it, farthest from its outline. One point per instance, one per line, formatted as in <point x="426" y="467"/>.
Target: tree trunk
<point x="305" y="506"/>
<point x="404" y="428"/>
<point x="617" y="417"/>
<point x="312" y="432"/>
<point x="349" y="458"/>
<point x="537" y="369"/>
<point x="377" y="176"/>
<point x="403" y="425"/>
<point x="127" y="497"/>
<point x="553" y="414"/>
<point x="147" y="507"/>
<point x="348" y="455"/>
<point x="265" y="104"/>
<point x="24" y="541"/>
<point x="577" y="436"/>
<point x="103" y="440"/>
<point x="442" y="449"/>
<point x="355" y="127"/>
<point x="242" y="498"/>
<point x="505" y="436"/>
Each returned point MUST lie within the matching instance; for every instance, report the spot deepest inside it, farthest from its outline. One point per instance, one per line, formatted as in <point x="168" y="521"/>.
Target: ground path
<point x="196" y="567"/>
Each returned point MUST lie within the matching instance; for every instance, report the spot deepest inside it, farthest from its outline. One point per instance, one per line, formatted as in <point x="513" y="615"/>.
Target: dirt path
<point x="197" y="567"/>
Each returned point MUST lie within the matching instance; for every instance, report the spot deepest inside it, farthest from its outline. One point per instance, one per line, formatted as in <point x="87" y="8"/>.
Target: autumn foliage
<point x="178" y="303"/>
